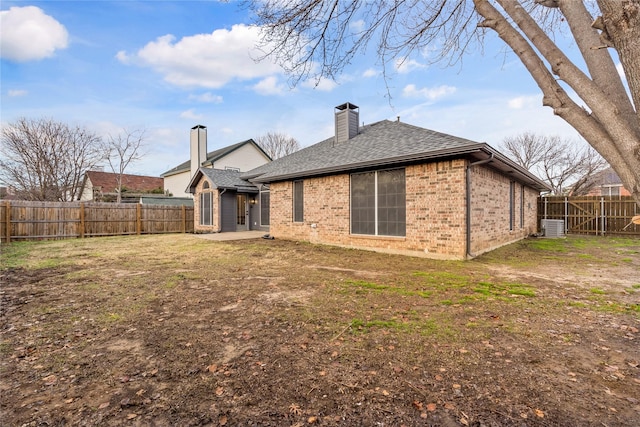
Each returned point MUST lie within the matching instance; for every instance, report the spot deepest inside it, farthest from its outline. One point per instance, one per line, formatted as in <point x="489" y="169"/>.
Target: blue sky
<point x="165" y="66"/>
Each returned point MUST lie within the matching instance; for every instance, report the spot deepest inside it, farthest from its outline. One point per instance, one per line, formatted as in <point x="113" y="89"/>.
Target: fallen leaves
<point x="295" y="409"/>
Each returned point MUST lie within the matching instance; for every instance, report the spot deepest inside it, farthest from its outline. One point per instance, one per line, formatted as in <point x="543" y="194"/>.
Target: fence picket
<point x="24" y="220"/>
<point x="598" y="215"/>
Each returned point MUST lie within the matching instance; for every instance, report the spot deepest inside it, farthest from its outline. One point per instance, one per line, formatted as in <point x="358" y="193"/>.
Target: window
<point x="265" y="200"/>
<point x="522" y="206"/>
<point x="206" y="209"/>
<point x="298" y="201"/>
<point x="512" y="208"/>
<point x="378" y="203"/>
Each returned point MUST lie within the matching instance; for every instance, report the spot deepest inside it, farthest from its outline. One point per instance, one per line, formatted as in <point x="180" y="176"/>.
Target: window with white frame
<point x="378" y="203"/>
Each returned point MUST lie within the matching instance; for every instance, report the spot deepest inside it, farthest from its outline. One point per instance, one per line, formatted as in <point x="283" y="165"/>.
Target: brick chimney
<point x="347" y="118"/>
<point x="198" y="144"/>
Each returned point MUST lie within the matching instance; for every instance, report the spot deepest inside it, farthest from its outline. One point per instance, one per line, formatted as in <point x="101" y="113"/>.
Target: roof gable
<point x="222" y="179"/>
<point x="213" y="156"/>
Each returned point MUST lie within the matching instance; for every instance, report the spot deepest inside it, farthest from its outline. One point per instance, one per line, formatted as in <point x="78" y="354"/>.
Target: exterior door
<point x="242" y="211"/>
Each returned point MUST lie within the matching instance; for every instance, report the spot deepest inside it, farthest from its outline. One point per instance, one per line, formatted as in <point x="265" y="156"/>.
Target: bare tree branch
<point x="121" y="150"/>
<point x="319" y="38"/>
<point x="45" y="160"/>
<point x="277" y="145"/>
<point x="559" y="162"/>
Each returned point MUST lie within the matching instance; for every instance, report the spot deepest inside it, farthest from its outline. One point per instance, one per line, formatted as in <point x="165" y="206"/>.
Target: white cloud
<point x="370" y="73"/>
<point x="269" y="86"/>
<point x="28" y="34"/>
<point x="357" y="26"/>
<point x="191" y="115"/>
<point x="404" y="66"/>
<point x="205" y="60"/>
<point x="411" y="91"/>
<point x="207" y="98"/>
<point x="521" y="102"/>
<point x="17" y="92"/>
<point x="323" y="84"/>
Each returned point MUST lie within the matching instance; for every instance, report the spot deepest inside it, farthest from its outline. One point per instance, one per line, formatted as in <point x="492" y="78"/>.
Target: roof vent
<point x="552" y="227"/>
<point x="347" y="118"/>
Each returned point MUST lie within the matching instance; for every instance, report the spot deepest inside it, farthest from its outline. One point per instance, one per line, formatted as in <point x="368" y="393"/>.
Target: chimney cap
<point x="347" y="105"/>
<point x="199" y="127"/>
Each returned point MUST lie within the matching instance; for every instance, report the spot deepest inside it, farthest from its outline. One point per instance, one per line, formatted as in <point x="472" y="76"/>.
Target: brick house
<point x="604" y="183"/>
<point x="391" y="187"/>
<point x="102" y="186"/>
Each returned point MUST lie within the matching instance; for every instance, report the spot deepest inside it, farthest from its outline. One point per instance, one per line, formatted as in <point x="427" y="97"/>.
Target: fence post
<point x="139" y="219"/>
<point x="7" y="219"/>
<point x="566" y="214"/>
<point x="81" y="233"/>
<point x="604" y="223"/>
<point x="184" y="219"/>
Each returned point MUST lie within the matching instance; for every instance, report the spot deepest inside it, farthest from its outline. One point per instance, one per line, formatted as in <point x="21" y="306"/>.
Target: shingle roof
<point x="223" y="179"/>
<point x="108" y="181"/>
<point x="212" y="156"/>
<point x="379" y="144"/>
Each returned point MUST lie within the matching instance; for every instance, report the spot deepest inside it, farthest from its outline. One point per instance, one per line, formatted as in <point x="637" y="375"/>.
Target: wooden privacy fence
<point x="22" y="220"/>
<point x="592" y="214"/>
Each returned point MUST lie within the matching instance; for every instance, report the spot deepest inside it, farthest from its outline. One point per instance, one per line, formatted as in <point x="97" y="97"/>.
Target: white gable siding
<point x="176" y="184"/>
<point x="244" y="158"/>
<point x="87" y="191"/>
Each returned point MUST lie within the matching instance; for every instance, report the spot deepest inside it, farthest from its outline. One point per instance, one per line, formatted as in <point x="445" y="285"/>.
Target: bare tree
<point x="559" y="162"/>
<point x="45" y="160"/>
<point x="277" y="145"/>
<point x="122" y="150"/>
<point x="318" y="38"/>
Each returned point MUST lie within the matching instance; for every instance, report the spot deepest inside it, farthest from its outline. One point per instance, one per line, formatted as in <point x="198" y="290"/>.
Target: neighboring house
<point x="387" y="186"/>
<point x="102" y="186"/>
<point x="604" y="183"/>
<point x="243" y="156"/>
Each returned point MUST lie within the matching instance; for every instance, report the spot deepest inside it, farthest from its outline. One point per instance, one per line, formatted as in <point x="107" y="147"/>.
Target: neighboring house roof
<point x="380" y="144"/>
<point x="166" y="200"/>
<point x="605" y="177"/>
<point x="108" y="182"/>
<point x="222" y="179"/>
<point x="212" y="156"/>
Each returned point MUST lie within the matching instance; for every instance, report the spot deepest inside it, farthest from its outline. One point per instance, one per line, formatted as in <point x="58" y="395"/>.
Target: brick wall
<point x="435" y="212"/>
<point x="214" y="227"/>
<point x="490" y="210"/>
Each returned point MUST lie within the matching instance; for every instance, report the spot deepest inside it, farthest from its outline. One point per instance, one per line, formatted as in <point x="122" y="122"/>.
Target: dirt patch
<point x="272" y="333"/>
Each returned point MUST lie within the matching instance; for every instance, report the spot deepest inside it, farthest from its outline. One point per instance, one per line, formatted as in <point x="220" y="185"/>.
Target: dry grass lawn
<point x="177" y="330"/>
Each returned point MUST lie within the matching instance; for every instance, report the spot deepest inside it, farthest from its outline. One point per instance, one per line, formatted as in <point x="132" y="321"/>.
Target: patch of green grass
<point x="636" y="286"/>
<point x="392" y="289"/>
<point x="367" y="285"/>
<point x="14" y="255"/>
<point x="497" y="290"/>
<point x="549" y="245"/>
<point x="597" y="291"/>
<point x="626" y="260"/>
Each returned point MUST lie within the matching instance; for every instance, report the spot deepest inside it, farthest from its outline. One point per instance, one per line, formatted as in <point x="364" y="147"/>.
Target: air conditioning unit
<point x="552" y="227"/>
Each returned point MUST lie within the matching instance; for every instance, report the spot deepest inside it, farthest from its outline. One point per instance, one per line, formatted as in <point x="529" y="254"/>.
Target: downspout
<point x="220" y="210"/>
<point x="468" y="196"/>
